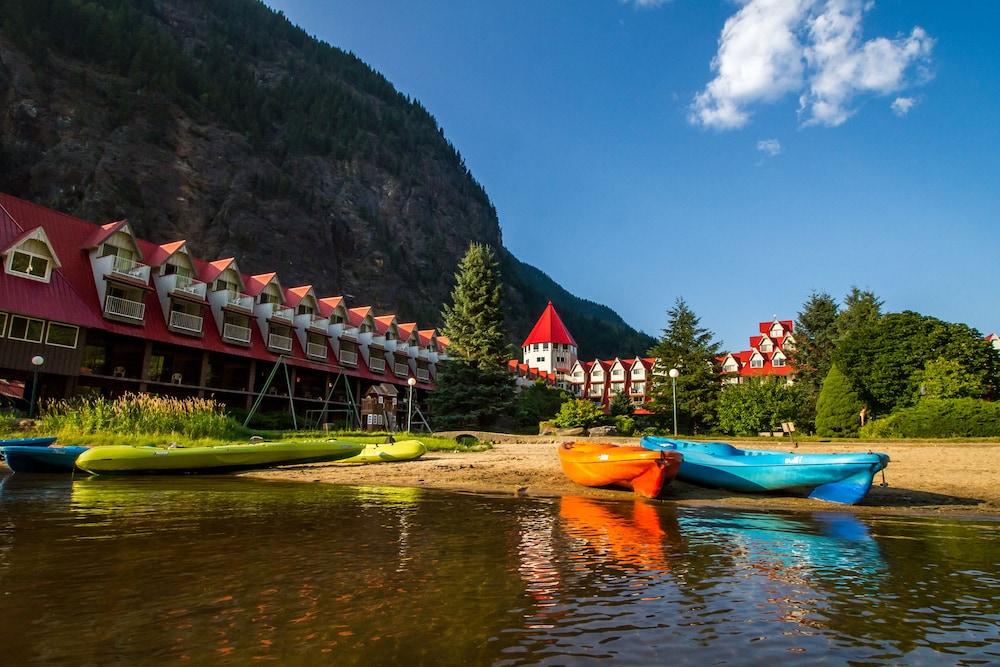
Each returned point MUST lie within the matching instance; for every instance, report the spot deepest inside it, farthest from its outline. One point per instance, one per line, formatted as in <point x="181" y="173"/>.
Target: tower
<point x="550" y="346"/>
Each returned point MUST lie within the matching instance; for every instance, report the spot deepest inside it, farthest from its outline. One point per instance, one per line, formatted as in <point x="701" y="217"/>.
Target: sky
<point x="740" y="154"/>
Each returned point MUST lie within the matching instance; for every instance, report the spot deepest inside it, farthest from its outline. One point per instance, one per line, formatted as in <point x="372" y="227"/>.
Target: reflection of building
<point x="549" y="353"/>
<point x="767" y="356"/>
<point x="111" y="312"/>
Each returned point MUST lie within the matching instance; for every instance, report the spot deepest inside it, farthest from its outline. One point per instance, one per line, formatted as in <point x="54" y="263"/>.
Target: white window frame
<point x="766" y="346"/>
<point x="19" y="274"/>
<point x="76" y="338"/>
<point x="757" y="362"/>
<point x="3" y="324"/>
<point x="777" y="362"/>
<point x="29" y="319"/>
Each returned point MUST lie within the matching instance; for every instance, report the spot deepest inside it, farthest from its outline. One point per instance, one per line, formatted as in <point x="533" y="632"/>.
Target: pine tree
<point x="474" y="388"/>
<point x="860" y="307"/>
<point x="815" y="341"/>
<point x="473" y="322"/>
<point x="838" y="410"/>
<point x="620" y="404"/>
<point x="688" y="347"/>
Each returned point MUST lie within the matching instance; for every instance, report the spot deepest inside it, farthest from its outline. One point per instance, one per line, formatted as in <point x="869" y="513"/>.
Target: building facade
<point x="108" y="312"/>
<point x="768" y="355"/>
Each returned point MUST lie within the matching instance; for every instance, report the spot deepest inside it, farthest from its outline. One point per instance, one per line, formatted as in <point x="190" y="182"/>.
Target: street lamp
<point x="36" y="362"/>
<point x="674" y="374"/>
<point x="409" y="405"/>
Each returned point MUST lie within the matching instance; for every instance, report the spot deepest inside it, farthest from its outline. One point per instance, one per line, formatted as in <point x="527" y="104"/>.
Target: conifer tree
<point x="620" y="404"/>
<point x="815" y="341"/>
<point x="690" y="348"/>
<point x="861" y="307"/>
<point x="838" y="410"/>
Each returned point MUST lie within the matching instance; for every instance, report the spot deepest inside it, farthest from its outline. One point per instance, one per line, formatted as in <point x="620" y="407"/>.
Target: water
<point x="225" y="570"/>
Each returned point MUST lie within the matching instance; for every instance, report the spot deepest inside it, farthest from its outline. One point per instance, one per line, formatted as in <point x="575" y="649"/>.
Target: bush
<point x="539" y="403"/>
<point x="939" y="418"/>
<point x="580" y="413"/>
<point x="838" y="407"/>
<point x="8" y="422"/>
<point x="135" y="414"/>
<point x="758" y="405"/>
<point x="624" y="424"/>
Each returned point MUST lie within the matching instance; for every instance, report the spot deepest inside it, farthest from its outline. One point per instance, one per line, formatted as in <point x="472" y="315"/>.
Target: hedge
<point x="939" y="418"/>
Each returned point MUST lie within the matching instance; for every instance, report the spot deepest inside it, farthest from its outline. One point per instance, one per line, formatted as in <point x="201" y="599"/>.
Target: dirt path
<point x="924" y="478"/>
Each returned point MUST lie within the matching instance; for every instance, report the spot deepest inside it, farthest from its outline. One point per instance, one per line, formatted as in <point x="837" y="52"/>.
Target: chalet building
<point x="994" y="340"/>
<point x="549" y="353"/>
<point x="109" y="312"/>
<point x="767" y="356"/>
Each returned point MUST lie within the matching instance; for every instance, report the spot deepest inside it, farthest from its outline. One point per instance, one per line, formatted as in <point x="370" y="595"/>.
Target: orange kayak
<point x="602" y="464"/>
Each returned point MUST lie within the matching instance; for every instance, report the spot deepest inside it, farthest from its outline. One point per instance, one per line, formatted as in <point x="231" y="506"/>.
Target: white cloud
<point x="769" y="146"/>
<point x="902" y="105"/>
<point x="771" y="48"/>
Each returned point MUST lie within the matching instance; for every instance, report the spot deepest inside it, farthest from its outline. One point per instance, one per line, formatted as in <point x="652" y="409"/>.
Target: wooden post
<point x="147" y="360"/>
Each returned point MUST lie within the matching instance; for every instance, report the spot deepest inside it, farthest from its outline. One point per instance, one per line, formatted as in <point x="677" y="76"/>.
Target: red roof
<point x="549" y="329"/>
<point x="356" y="316"/>
<point x="256" y="284"/>
<point x="98" y="236"/>
<point x="212" y="270"/>
<point x="382" y="323"/>
<point x="293" y="295"/>
<point x="765" y="327"/>
<point x="163" y="252"/>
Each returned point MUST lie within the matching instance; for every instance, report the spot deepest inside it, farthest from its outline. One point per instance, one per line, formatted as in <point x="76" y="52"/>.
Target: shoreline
<point x="960" y="480"/>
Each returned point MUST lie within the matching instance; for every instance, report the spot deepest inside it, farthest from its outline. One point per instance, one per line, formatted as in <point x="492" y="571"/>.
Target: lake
<point x="95" y="571"/>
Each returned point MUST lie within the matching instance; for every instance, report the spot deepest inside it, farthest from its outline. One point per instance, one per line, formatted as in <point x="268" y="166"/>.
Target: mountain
<point x="220" y="122"/>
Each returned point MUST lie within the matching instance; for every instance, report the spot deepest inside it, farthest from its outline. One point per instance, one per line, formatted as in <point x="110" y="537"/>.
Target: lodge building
<point x="108" y="312"/>
<point x="767" y="356"/>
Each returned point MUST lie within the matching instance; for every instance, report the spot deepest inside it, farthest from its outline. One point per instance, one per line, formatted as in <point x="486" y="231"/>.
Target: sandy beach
<point x="923" y="478"/>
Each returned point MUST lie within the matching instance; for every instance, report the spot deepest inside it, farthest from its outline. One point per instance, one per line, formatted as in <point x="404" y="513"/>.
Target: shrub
<point x="755" y="406"/>
<point x="538" y="403"/>
<point x="624" y="424"/>
<point x="8" y="422"/>
<point x="838" y="407"/>
<point x="939" y="418"/>
<point x="620" y="404"/>
<point x="580" y="413"/>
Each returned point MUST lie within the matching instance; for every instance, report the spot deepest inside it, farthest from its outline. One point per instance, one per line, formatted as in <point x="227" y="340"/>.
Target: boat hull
<point x="44" y="441"/>
<point x="842" y="478"/>
<point x="404" y="450"/>
<point x="34" y="459"/>
<point x="126" y="460"/>
<point x="643" y="471"/>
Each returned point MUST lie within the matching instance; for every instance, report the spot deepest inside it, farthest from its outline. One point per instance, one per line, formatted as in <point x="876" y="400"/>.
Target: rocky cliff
<point x="220" y="122"/>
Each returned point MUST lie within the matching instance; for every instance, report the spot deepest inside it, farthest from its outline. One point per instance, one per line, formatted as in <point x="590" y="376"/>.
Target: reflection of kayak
<point x="839" y="478"/>
<point x="41" y="459"/>
<point x="601" y="464"/>
<point x="637" y="542"/>
<point x="118" y="459"/>
<point x="404" y="450"/>
<point x="28" y="442"/>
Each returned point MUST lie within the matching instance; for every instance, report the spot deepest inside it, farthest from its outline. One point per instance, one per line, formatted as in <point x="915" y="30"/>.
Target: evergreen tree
<point x="539" y="402"/>
<point x="473" y="322"/>
<point x="815" y="340"/>
<point x="620" y="404"/>
<point x="860" y="307"/>
<point x="838" y="410"/>
<point x="474" y="388"/>
<point x="688" y="347"/>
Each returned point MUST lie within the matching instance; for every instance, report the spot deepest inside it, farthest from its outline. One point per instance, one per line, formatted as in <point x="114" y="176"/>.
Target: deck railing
<point x="130" y="268"/>
<point x="279" y="342"/>
<point x="316" y="350"/>
<point x="185" y="321"/>
<point x="401" y="370"/>
<point x="119" y="307"/>
<point x="377" y="365"/>
<point x="348" y="357"/>
<point x="235" y="332"/>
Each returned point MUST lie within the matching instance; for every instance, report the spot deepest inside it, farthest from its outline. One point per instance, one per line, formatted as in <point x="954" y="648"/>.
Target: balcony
<point x="349" y="358"/>
<point x="123" y="267"/>
<point x="316" y="350"/>
<point x="124" y="308"/>
<point x="276" y="311"/>
<point x="316" y="323"/>
<point x="184" y="285"/>
<point x="402" y="370"/>
<point x="423" y="375"/>
<point x="238" y="300"/>
<point x="186" y="322"/>
<point x="349" y="333"/>
<point x="235" y="333"/>
<point x="279" y="342"/>
<point x="377" y="365"/>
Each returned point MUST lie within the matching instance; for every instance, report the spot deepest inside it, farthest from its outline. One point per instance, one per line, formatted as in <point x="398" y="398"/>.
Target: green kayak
<point x="124" y="459"/>
<point x="404" y="450"/>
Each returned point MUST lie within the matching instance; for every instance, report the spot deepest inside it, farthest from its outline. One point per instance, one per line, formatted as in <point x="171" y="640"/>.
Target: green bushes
<point x="580" y="413"/>
<point x="625" y="425"/>
<point x="752" y="407"/>
<point x="939" y="418"/>
<point x="8" y="422"/>
<point x="838" y="409"/>
<point x="539" y="403"/>
<point x="134" y="414"/>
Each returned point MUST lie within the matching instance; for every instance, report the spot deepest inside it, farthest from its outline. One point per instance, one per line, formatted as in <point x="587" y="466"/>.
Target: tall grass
<point x="140" y="414"/>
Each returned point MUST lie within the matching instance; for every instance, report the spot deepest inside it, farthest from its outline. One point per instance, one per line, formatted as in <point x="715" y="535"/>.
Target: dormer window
<point x="778" y="361"/>
<point x="765" y="346"/>
<point x="757" y="362"/>
<point x="730" y="366"/>
<point x="226" y="286"/>
<point x="304" y="310"/>
<point x="32" y="257"/>
<point x="777" y="331"/>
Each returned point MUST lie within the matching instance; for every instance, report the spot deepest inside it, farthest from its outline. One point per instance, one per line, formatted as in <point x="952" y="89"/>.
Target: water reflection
<point x="102" y="570"/>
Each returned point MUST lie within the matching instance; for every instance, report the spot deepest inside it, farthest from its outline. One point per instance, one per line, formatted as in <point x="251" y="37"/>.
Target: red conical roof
<point x="549" y="329"/>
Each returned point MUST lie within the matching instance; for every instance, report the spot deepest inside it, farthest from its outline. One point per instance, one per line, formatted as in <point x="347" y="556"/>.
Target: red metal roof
<point x="254" y="285"/>
<point x="549" y="329"/>
<point x="162" y="253"/>
<point x="209" y="271"/>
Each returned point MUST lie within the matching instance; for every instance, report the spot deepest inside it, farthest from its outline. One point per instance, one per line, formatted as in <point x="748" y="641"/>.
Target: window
<point x="730" y="366"/>
<point x="545" y="346"/>
<point x="534" y="346"/>
<point x="617" y="373"/>
<point x="539" y="359"/>
<point x="225" y="285"/>
<point x="304" y="310"/>
<point x="28" y="265"/>
<point x="3" y="324"/>
<point x="778" y="361"/>
<point x="765" y="346"/>
<point x="62" y="335"/>
<point x="757" y="362"/>
<point x="26" y="328"/>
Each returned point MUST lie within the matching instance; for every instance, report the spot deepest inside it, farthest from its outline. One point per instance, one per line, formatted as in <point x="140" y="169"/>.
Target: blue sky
<point x="834" y="143"/>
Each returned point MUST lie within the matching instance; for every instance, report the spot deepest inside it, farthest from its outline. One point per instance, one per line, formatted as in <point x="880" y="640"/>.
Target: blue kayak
<point x="28" y="442"/>
<point x="839" y="478"/>
<point x="22" y="458"/>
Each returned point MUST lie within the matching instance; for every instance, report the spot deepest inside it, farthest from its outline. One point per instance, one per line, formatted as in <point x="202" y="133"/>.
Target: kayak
<point x="125" y="459"/>
<point x="839" y="478"/>
<point x="23" y="459"/>
<point x="601" y="464"/>
<point x="44" y="441"/>
<point x="404" y="450"/>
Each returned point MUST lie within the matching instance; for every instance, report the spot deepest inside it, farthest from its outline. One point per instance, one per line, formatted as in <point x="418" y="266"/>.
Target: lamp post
<point x="409" y="405"/>
<point x="36" y="363"/>
<point x="674" y="374"/>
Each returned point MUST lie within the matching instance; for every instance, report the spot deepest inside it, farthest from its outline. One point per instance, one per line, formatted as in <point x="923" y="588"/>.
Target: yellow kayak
<point x="125" y="459"/>
<point x="404" y="450"/>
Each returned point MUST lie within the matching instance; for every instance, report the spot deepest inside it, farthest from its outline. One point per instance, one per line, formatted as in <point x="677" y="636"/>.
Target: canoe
<point x="601" y="464"/>
<point x="404" y="450"/>
<point x="125" y="459"/>
<point x="23" y="459"/>
<point x="44" y="441"/>
<point x="838" y="478"/>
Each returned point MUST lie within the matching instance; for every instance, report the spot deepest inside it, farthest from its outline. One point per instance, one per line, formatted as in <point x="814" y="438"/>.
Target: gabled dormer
<point x="121" y="275"/>
<point x="765" y="345"/>
<point x="181" y="294"/>
<point x="311" y="325"/>
<point x="730" y="364"/>
<point x="273" y="317"/>
<point x="788" y="344"/>
<point x="756" y="360"/>
<point x="31" y="256"/>
<point x="231" y="306"/>
<point x="778" y="359"/>
<point x="618" y="371"/>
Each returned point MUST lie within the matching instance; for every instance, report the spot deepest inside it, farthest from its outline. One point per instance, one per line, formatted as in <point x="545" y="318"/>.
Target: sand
<point x="923" y="478"/>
